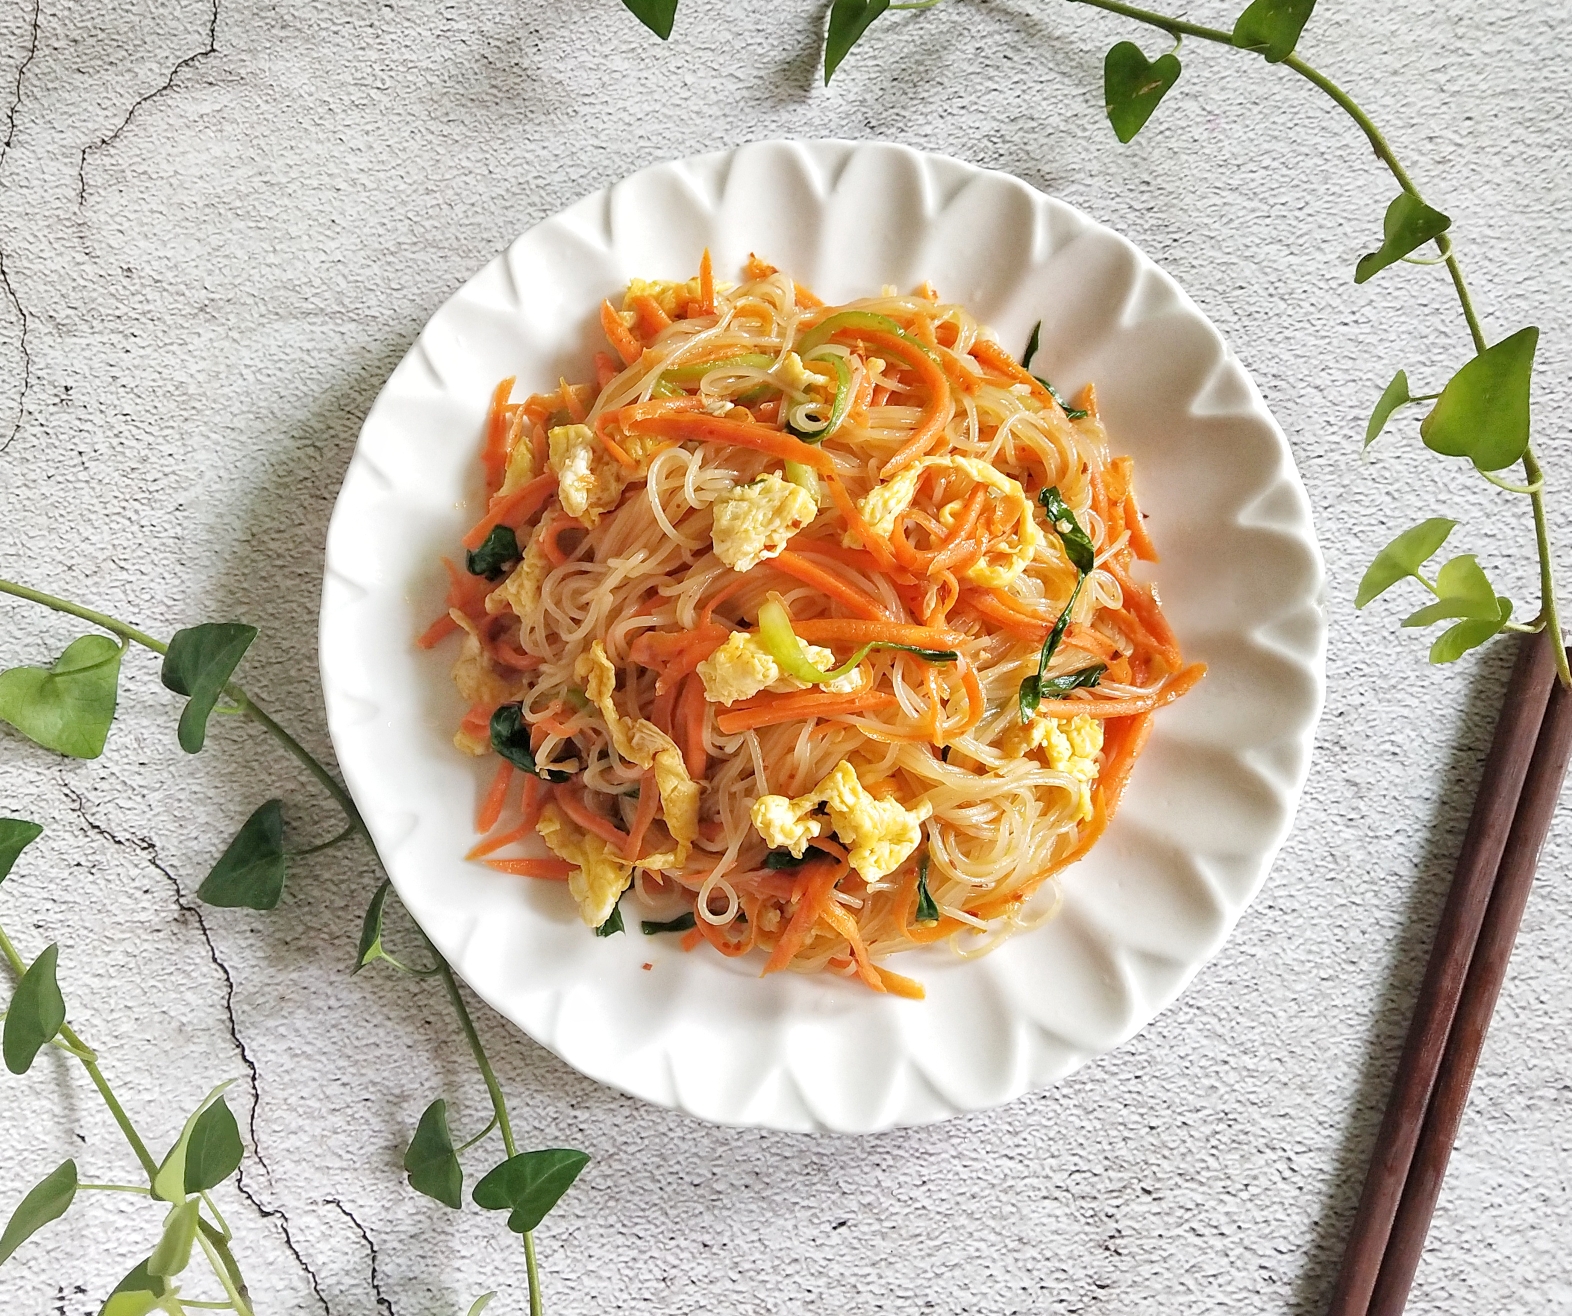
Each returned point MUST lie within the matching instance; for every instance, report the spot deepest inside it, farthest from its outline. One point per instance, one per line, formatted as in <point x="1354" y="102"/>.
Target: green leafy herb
<point x="213" y="1151"/>
<point x="250" y="873"/>
<point x="497" y="554"/>
<point x="849" y="19"/>
<point x="612" y="923"/>
<point x="1272" y="27"/>
<point x="1403" y="557"/>
<point x="36" y="1013"/>
<point x="1457" y="640"/>
<point x="657" y="15"/>
<point x="1032" y="688"/>
<point x="170" y="1181"/>
<point x="529" y="1185"/>
<point x="510" y="738"/>
<point x="1394" y="396"/>
<point x="49" y="1199"/>
<point x="173" y="1253"/>
<point x="927" y="908"/>
<point x="16" y="834"/>
<point x="199" y="664"/>
<point x="682" y="923"/>
<point x="137" y="1294"/>
<point x="778" y="859"/>
<point x="1133" y="86"/>
<point x="1482" y="413"/>
<point x="1084" y="679"/>
<point x="68" y="707"/>
<point x="431" y="1163"/>
<point x="1077" y="543"/>
<point x="1032" y="344"/>
<point x="1409" y="224"/>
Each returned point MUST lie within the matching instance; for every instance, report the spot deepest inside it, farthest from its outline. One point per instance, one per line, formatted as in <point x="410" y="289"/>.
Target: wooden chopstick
<point x="1495" y="806"/>
<point x="1536" y="808"/>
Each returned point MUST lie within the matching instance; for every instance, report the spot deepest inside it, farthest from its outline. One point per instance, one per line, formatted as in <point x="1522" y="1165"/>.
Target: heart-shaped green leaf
<point x="1457" y="640"/>
<point x="170" y="1181"/>
<point x="1464" y="591"/>
<point x="657" y="15"/>
<point x="16" y="834"/>
<point x="250" y="874"/>
<point x="1403" y="557"/>
<point x="529" y="1185"/>
<point x="214" y="1150"/>
<point x="1394" y="396"/>
<point x="1272" y="27"/>
<point x="1409" y="224"/>
<point x="200" y="661"/>
<point x="173" y="1253"/>
<point x="371" y="930"/>
<point x="849" y="19"/>
<point x="67" y="708"/>
<point x="137" y="1294"/>
<point x="49" y="1199"/>
<point x="431" y="1163"/>
<point x="1482" y="413"/>
<point x="36" y="1013"/>
<point x="1132" y="86"/>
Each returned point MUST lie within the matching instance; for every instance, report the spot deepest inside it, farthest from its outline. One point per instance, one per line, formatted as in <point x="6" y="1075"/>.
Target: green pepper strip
<point x="804" y="477"/>
<point x="782" y="644"/>
<point x="692" y="374"/>
<point x="843" y="393"/>
<point x="822" y="332"/>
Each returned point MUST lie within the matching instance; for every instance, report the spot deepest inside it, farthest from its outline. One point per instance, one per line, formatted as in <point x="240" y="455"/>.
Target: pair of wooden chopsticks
<point x="1512" y="813"/>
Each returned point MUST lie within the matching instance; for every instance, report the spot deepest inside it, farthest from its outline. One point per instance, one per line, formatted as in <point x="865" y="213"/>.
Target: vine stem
<point x="1549" y="609"/>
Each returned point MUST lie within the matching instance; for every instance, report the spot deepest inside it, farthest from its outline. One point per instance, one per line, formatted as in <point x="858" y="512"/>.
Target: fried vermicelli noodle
<point x="813" y="627"/>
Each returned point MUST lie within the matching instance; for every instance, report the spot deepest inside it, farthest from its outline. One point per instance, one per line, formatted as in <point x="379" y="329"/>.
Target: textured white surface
<point x="1240" y="577"/>
<point x="207" y="321"/>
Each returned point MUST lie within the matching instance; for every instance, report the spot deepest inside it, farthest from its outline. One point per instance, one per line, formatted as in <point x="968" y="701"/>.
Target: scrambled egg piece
<point x="1070" y="745"/>
<point x="673" y="298"/>
<point x="742" y="667"/>
<point x="521" y="590"/>
<point x="473" y="673"/>
<point x="794" y="375"/>
<point x="880" y="834"/>
<point x="1005" y="560"/>
<point x="643" y="743"/>
<point x="599" y="877"/>
<point x="521" y="458"/>
<point x="589" y="479"/>
<point x="757" y="520"/>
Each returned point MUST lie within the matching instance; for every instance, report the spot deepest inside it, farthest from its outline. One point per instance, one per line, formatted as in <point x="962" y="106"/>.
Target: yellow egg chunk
<point x="1069" y="745"/>
<point x="589" y="480"/>
<point x="756" y="521"/>
<point x="879" y="834"/>
<point x="598" y="878"/>
<point x="521" y="590"/>
<point x="742" y="667"/>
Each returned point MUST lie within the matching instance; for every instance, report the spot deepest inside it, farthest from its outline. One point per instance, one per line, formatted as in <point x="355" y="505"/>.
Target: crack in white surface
<point x="21" y="72"/>
<point x="383" y="1304"/>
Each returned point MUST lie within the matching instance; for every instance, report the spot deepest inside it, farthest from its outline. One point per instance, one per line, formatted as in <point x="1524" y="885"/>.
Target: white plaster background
<point x="200" y="308"/>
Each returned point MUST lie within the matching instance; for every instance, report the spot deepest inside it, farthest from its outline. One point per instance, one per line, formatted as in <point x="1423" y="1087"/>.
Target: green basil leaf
<point x="1028" y="697"/>
<point x="1394" y="396"/>
<point x="1457" y="640"/>
<point x="214" y="1150"/>
<point x="16" y="834"/>
<point x="431" y="1163"/>
<point x="682" y="923"/>
<point x="170" y="1181"/>
<point x="529" y="1185"/>
<point x="849" y="19"/>
<point x="1272" y="27"/>
<point x="1132" y="86"/>
<point x="68" y="707"/>
<point x="137" y="1294"/>
<point x="1409" y="224"/>
<point x="1403" y="557"/>
<point x="173" y="1253"/>
<point x="613" y="922"/>
<point x="778" y="859"/>
<point x="927" y="913"/>
<point x="657" y="15"/>
<point x="200" y="661"/>
<point x="1084" y="679"/>
<point x="496" y="555"/>
<point x="1070" y="413"/>
<point x="1077" y="543"/>
<point x="250" y="873"/>
<point x="371" y="930"/>
<point x="36" y="1013"/>
<point x="1482" y="413"/>
<point x="48" y="1199"/>
<point x="1032" y="344"/>
<point x="481" y="1303"/>
<point x="510" y="738"/>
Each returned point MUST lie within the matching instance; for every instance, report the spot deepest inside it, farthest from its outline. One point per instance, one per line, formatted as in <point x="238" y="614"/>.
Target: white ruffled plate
<point x="1210" y="801"/>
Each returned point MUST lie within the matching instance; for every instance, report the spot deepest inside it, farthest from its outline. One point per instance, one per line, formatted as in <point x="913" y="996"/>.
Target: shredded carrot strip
<point x="491" y="804"/>
<point x="997" y="359"/>
<point x="875" y="543"/>
<point x="975" y="704"/>
<point x="738" y="582"/>
<point x="494" y="452"/>
<point x="533" y="801"/>
<point x="494" y="843"/>
<point x="794" y="708"/>
<point x="805" y="298"/>
<point x="606" y="370"/>
<point x="839" y="919"/>
<point x="549" y="533"/>
<point x="617" y="334"/>
<point x="572" y="803"/>
<point x="843" y="591"/>
<point x="1176" y="686"/>
<point x="701" y="428"/>
<point x="1140" y="603"/>
<point x="1140" y="541"/>
<point x="553" y="870"/>
<point x="1006" y="618"/>
<point x="691" y="938"/>
<point x="713" y="934"/>
<point x="691" y="706"/>
<point x="651" y="318"/>
<point x="649" y="801"/>
<point x="438" y="631"/>
<point x="898" y="984"/>
<point x="853" y="631"/>
<point x="816" y="880"/>
<point x="706" y="302"/>
<point x="941" y="405"/>
<point x="519" y="505"/>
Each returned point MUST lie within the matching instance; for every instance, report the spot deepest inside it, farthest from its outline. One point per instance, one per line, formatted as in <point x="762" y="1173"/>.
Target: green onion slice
<point x="778" y="640"/>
